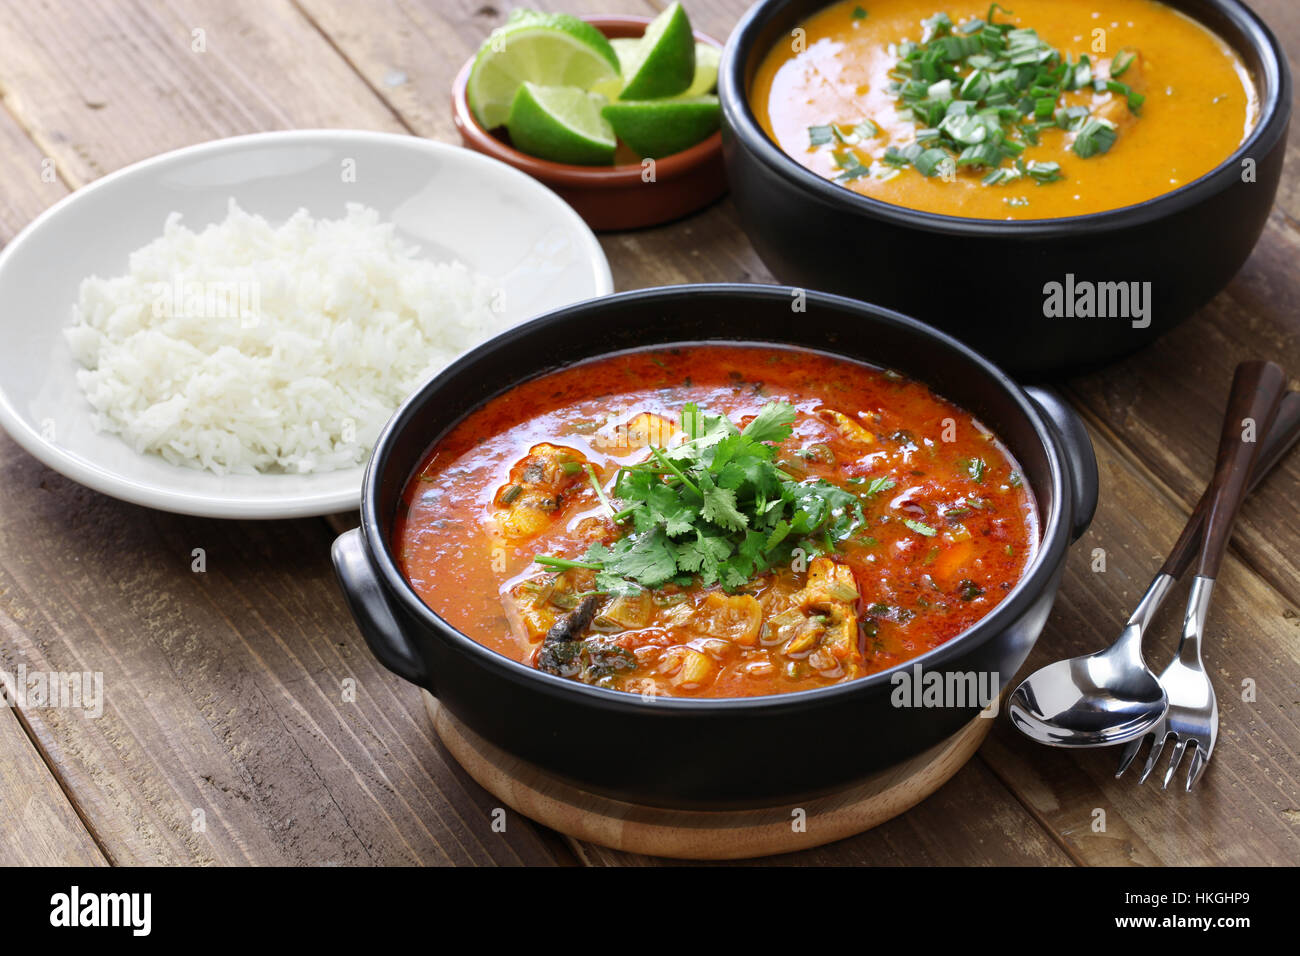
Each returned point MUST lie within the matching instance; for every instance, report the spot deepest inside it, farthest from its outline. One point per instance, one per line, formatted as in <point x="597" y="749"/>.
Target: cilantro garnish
<point x="717" y="508"/>
<point x="981" y="91"/>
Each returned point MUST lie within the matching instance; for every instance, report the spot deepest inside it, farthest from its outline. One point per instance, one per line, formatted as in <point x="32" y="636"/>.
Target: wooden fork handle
<point x="1257" y="389"/>
<point x="1279" y="440"/>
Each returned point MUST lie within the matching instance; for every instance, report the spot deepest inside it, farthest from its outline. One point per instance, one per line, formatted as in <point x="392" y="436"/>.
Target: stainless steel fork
<point x="1191" y="720"/>
<point x="1192" y="717"/>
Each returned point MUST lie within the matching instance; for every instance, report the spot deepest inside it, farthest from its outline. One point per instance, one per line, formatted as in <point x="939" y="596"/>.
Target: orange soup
<point x="716" y="521"/>
<point x="1054" y="108"/>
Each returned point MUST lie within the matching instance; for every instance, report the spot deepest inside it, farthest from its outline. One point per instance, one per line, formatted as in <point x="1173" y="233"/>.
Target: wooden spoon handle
<point x="1256" y="391"/>
<point x="1277" y="442"/>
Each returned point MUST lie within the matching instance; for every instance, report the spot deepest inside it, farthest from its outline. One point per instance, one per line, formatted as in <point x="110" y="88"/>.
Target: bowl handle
<point x="1080" y="459"/>
<point x="368" y="602"/>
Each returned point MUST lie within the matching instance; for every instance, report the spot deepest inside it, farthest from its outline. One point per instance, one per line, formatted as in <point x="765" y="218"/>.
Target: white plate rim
<point x="86" y="472"/>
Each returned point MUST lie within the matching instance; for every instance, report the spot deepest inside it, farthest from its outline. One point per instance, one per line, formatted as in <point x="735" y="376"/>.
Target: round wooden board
<point x="703" y="835"/>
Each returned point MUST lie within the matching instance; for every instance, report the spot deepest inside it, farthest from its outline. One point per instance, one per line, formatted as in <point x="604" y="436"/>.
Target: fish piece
<point x="823" y="615"/>
<point x="537" y="488"/>
<point x="646" y="429"/>
<point x="849" y="427"/>
<point x="729" y="617"/>
<point x="687" y="667"/>
<point x="529" y="620"/>
<point x="829" y="586"/>
<point x="805" y="638"/>
<point x="629" y="611"/>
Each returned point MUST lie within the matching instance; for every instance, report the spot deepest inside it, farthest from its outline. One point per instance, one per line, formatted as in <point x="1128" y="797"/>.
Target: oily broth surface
<point x="1200" y="104"/>
<point x="448" y="548"/>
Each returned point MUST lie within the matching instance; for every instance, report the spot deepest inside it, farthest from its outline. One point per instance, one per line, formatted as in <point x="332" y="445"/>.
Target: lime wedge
<point x="657" y="128"/>
<point x="707" y="58"/>
<point x="623" y="47"/>
<point x="561" y="123"/>
<point x="549" y="49"/>
<point x="663" y="62"/>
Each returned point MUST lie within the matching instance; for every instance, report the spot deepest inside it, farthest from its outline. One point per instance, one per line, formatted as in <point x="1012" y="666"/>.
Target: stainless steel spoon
<point x="1111" y="696"/>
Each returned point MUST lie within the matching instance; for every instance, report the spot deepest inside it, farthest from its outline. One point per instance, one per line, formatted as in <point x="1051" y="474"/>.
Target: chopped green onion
<point x="1096" y="136"/>
<point x="867" y="129"/>
<point x="1002" y="176"/>
<point x="1042" y="172"/>
<point x="980" y="93"/>
<point x="851" y="166"/>
<point x="1071" y="117"/>
<point x="820" y="135"/>
<point x="932" y="162"/>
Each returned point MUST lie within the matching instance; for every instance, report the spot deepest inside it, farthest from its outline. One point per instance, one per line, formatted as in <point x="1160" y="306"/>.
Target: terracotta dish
<point x="611" y="197"/>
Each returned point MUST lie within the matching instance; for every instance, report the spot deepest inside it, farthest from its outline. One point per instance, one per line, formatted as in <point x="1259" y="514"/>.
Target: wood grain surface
<point x="244" y="720"/>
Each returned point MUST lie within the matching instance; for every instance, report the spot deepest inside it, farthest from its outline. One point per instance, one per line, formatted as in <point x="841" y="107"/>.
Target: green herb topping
<point x="717" y="508"/>
<point x="980" y="93"/>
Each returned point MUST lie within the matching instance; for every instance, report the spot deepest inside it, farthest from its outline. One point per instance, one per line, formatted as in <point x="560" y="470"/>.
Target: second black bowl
<point x="1188" y="243"/>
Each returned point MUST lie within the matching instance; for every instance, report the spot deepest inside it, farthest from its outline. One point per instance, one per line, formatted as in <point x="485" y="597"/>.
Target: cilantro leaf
<point x="920" y="528"/>
<point x="876" y="485"/>
<point x="647" y="559"/>
<point x="774" y="423"/>
<point x="720" y="505"/>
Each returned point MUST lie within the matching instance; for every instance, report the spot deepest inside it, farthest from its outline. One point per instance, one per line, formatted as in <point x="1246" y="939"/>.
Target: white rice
<point x="250" y="347"/>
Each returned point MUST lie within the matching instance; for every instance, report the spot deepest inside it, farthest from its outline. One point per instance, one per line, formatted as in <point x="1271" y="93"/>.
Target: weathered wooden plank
<point x="41" y="827"/>
<point x="98" y="86"/>
<point x="1166" y="403"/>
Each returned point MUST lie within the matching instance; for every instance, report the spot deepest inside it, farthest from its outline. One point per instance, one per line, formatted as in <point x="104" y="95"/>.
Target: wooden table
<point x="226" y="690"/>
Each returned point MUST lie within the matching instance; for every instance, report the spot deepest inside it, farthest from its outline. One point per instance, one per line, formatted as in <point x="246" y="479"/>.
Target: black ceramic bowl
<point x="709" y="752"/>
<point x="1188" y="243"/>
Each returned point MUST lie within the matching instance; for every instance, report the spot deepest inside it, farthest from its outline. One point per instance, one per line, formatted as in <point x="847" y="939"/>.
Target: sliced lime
<point x="549" y="49"/>
<point x="657" y="128"/>
<point x="663" y="61"/>
<point x="707" y="58"/>
<point x="561" y="123"/>
<point x="623" y="47"/>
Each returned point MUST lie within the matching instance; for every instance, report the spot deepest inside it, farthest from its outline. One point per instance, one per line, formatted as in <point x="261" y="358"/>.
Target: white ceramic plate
<point x="453" y="203"/>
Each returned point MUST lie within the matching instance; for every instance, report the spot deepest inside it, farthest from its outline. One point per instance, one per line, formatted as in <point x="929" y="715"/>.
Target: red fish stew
<point x="716" y="521"/>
